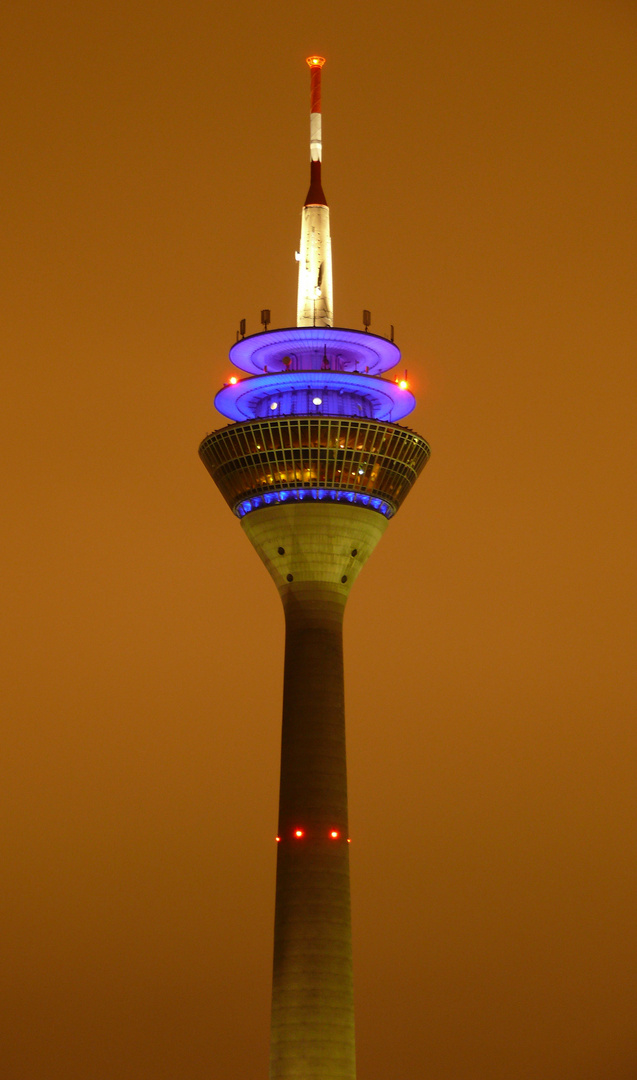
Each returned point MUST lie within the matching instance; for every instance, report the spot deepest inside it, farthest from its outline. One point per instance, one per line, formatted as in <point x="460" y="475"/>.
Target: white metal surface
<point x="314" y="302"/>
<point x="316" y="138"/>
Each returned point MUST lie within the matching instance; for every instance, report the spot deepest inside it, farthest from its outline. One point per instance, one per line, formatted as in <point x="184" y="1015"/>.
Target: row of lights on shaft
<point x="298" y="834"/>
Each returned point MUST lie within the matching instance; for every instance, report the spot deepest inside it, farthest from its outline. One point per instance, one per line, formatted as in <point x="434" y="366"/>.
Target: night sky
<point x="480" y="163"/>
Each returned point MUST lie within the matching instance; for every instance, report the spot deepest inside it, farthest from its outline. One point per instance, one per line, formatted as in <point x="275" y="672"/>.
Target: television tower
<point x="314" y="466"/>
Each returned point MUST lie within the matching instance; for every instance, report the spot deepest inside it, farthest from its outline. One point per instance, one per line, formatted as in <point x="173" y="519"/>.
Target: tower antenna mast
<point x="315" y="302"/>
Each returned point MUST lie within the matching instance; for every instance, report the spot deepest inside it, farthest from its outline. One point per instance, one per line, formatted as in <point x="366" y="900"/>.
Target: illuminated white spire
<point x="314" y="304"/>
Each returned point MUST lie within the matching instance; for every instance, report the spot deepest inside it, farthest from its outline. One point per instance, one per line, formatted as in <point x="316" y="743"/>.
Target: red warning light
<point x="278" y="839"/>
<point x="233" y="380"/>
<point x="334" y="834"/>
<point x="299" y="833"/>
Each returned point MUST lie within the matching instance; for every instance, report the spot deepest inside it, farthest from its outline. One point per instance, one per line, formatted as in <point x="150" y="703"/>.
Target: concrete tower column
<point x="314" y="554"/>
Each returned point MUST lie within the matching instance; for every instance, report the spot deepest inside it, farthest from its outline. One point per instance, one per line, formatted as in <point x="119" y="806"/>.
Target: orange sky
<point x="481" y="170"/>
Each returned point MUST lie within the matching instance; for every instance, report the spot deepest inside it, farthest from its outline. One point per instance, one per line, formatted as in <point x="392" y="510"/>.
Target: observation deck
<point x="324" y="459"/>
<point x="316" y="422"/>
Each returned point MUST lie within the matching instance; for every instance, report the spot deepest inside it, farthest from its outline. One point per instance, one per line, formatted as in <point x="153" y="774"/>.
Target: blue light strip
<point x="309" y="495"/>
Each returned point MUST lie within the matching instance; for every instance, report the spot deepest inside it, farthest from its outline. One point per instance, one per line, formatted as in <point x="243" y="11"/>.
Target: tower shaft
<point x="312" y="1023"/>
<point x="324" y="548"/>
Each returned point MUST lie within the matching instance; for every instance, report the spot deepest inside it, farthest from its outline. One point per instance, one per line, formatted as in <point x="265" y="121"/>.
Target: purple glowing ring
<point x="308" y="346"/>
<point x="320" y="393"/>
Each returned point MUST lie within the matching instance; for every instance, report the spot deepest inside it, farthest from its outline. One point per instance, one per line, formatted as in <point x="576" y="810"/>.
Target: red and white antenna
<point x="314" y="304"/>
<point x="316" y="142"/>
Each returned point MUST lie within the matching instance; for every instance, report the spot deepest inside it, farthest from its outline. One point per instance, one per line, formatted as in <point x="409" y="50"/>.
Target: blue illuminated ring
<point x="384" y="400"/>
<point x="347" y="349"/>
<point x="309" y="495"/>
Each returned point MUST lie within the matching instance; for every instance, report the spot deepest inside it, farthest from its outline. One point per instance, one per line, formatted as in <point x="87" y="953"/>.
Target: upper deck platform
<point x="314" y="348"/>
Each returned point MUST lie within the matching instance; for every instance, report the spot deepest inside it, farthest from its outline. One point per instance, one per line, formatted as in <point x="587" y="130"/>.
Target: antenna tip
<point x="315" y="61"/>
